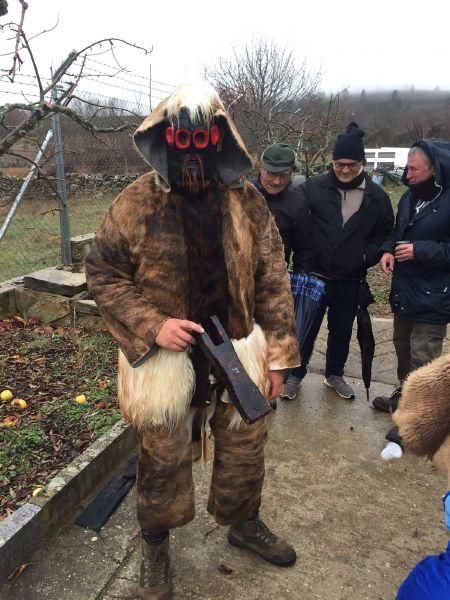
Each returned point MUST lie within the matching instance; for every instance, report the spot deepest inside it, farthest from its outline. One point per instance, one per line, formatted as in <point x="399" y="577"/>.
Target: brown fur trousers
<point x="165" y="486"/>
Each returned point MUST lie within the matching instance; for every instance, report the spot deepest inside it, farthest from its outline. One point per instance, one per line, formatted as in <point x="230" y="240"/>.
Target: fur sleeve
<point x="132" y="320"/>
<point x="423" y="414"/>
<point x="274" y="309"/>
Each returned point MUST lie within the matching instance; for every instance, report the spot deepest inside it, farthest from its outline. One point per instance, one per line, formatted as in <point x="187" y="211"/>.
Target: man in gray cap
<point x="288" y="208"/>
<point x="291" y="215"/>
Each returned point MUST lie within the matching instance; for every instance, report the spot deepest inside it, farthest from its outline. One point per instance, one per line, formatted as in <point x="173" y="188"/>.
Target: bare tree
<point x="275" y="99"/>
<point x="57" y="93"/>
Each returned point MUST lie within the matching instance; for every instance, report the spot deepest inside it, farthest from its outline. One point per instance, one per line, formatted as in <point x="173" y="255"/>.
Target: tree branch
<point x="16" y="58"/>
<point x="33" y="62"/>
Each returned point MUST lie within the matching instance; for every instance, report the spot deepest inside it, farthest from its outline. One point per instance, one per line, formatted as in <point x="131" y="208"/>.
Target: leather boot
<point x="388" y="404"/>
<point x="154" y="581"/>
<point x="256" y="536"/>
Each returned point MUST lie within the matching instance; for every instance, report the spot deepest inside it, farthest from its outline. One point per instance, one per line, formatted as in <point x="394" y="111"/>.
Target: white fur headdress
<point x="200" y="100"/>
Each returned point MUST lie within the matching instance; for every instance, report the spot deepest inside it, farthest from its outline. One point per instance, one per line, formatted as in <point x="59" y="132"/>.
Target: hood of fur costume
<point x="423" y="414"/>
<point x="233" y="160"/>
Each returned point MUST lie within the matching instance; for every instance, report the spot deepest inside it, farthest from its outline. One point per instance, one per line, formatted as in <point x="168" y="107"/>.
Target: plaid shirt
<point x="307" y="285"/>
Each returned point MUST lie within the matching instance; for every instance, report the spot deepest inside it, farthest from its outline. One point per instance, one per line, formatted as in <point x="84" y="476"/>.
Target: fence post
<point x="66" y="252"/>
<point x="26" y="183"/>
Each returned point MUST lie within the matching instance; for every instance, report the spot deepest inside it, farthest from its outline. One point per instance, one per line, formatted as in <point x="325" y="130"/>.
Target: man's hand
<point x="387" y="262"/>
<point x="275" y="383"/>
<point x="175" y="334"/>
<point x="404" y="252"/>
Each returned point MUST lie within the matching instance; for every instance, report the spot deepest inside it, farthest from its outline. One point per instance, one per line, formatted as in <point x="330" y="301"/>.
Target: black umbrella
<point x="365" y="333"/>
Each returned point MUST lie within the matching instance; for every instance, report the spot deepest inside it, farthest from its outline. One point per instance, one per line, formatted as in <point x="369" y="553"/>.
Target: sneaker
<point x="387" y="404"/>
<point x="340" y="386"/>
<point x="154" y="580"/>
<point x="256" y="536"/>
<point x="291" y="387"/>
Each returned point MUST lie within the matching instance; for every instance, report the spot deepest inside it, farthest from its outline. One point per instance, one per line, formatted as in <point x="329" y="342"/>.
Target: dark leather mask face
<point x="191" y="150"/>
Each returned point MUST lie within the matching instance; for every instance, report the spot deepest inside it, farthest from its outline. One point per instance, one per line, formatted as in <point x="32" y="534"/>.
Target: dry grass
<point x="33" y="238"/>
<point x="18" y="172"/>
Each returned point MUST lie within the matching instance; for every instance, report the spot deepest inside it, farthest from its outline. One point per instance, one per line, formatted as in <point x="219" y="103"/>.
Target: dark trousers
<point x="341" y="299"/>
<point x="416" y="344"/>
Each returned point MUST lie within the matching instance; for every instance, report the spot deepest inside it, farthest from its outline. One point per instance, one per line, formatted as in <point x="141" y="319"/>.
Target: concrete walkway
<point x="359" y="524"/>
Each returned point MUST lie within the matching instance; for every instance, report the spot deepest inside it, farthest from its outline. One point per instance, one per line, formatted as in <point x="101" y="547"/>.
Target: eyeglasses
<point x="200" y="138"/>
<point x="349" y="165"/>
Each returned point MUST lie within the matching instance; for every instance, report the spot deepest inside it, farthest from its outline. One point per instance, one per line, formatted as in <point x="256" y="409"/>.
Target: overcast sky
<point x="378" y="44"/>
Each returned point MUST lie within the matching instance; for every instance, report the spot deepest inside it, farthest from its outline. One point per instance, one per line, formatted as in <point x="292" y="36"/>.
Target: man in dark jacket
<point x="417" y="254"/>
<point x="352" y="216"/>
<point x="287" y="205"/>
<point x="291" y="214"/>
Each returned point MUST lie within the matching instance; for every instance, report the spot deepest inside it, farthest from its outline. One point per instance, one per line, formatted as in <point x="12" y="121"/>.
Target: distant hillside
<point x="398" y="117"/>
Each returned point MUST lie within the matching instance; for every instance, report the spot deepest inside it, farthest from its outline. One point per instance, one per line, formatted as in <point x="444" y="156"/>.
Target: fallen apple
<point x="81" y="399"/>
<point x="6" y="396"/>
<point x="18" y="403"/>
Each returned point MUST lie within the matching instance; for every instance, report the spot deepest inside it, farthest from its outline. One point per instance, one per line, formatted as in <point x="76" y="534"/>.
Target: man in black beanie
<point x="352" y="217"/>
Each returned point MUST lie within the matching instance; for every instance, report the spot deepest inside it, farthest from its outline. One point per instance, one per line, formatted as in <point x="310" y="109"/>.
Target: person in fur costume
<point x="187" y="240"/>
<point x="423" y="419"/>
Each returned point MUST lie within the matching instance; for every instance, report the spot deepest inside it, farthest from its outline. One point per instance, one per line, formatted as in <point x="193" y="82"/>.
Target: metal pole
<point x="25" y="184"/>
<point x="150" y="87"/>
<point x="66" y="252"/>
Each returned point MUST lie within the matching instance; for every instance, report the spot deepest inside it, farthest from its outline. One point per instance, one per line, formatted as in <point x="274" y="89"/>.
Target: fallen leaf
<point x="17" y="358"/>
<point x="10" y="421"/>
<point x="18" y="571"/>
<point x="20" y="319"/>
<point x="224" y="569"/>
<point x="45" y="329"/>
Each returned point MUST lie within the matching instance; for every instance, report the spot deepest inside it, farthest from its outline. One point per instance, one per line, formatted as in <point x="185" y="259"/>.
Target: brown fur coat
<point x="137" y="270"/>
<point x="423" y="414"/>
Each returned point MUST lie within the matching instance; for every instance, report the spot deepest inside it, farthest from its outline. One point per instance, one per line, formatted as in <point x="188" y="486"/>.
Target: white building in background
<point x="386" y="157"/>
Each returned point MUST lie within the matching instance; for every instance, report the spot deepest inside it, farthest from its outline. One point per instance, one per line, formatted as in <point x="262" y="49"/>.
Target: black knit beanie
<point x="350" y="144"/>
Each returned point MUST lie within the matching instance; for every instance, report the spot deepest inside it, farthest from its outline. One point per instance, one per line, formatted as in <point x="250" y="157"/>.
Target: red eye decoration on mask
<point x="214" y="135"/>
<point x="201" y="138"/>
<point x="182" y="139"/>
<point x="170" y="136"/>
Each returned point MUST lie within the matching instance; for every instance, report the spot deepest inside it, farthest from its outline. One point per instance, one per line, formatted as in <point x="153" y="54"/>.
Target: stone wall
<point x="75" y="183"/>
<point x="57" y="296"/>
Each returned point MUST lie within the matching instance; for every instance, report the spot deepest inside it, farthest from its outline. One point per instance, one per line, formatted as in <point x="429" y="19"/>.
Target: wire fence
<point x="92" y="169"/>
